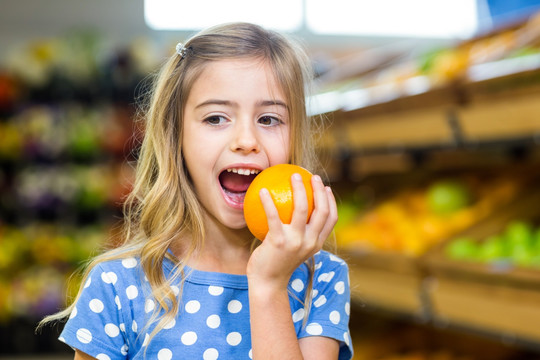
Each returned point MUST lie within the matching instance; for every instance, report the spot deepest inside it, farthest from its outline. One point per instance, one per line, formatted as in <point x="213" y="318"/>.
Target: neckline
<point x="210" y="278"/>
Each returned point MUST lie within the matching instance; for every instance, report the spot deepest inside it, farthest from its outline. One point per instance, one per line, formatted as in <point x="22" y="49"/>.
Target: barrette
<point x="181" y="50"/>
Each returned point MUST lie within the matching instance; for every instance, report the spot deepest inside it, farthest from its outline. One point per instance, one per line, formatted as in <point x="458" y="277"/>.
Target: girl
<point x="190" y="282"/>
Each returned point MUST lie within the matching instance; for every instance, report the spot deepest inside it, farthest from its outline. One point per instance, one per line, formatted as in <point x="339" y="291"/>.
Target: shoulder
<point x="329" y="258"/>
<point x="121" y="270"/>
<point x="326" y="261"/>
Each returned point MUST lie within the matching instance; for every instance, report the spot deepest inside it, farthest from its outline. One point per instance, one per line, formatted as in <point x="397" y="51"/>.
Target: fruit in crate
<point x="517" y="244"/>
<point x="414" y="220"/>
<point x="448" y="196"/>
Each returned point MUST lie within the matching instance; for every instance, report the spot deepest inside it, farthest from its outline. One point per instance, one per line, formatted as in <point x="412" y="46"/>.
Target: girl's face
<point x="236" y="123"/>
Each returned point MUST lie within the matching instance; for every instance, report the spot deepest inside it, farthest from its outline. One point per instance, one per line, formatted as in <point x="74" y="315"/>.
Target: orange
<point x="277" y="179"/>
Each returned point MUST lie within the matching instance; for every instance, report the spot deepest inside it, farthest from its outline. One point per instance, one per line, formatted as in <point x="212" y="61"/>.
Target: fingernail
<point x="317" y="178"/>
<point x="297" y="177"/>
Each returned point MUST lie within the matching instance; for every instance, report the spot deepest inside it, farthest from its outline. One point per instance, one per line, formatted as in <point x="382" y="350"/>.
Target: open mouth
<point x="235" y="182"/>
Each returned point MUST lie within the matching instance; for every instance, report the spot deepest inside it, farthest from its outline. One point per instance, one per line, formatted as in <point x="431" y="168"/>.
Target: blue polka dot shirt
<point x="108" y="321"/>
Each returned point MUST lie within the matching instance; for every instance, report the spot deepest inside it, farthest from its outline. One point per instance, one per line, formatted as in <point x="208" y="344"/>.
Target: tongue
<point x="235" y="183"/>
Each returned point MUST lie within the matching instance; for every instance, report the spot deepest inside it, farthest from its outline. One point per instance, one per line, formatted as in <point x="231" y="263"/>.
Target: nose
<point x="245" y="138"/>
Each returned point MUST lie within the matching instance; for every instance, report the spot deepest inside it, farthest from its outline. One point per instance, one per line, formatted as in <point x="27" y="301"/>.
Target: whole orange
<point x="277" y="179"/>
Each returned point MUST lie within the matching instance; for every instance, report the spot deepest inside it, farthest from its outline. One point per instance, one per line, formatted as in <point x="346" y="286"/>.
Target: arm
<point x="79" y="355"/>
<point x="273" y="333"/>
<point x="270" y="267"/>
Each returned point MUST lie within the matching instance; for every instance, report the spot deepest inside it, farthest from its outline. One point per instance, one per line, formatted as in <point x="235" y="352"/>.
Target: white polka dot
<point x="340" y="287"/>
<point x="129" y="263"/>
<point x="175" y="290"/>
<point x="234" y="306"/>
<point x="88" y="282"/>
<point x="112" y="330"/>
<point x="103" y="357"/>
<point x="250" y="354"/>
<point x="213" y="321"/>
<point x="314" y="329"/>
<point x="298" y="315"/>
<point x="96" y="305"/>
<point x="347" y="308"/>
<point x="193" y="306"/>
<point x="123" y="327"/>
<point x="149" y="305"/>
<point x="234" y="338"/>
<point x="318" y="265"/>
<point x="326" y="277"/>
<point x="164" y="354"/>
<point x="189" y="338"/>
<point x="62" y="339"/>
<point x="320" y="301"/>
<point x="84" y="336"/>
<point x="73" y="313"/>
<point x="170" y="324"/>
<point x="335" y="258"/>
<point x="335" y="317"/>
<point x="314" y="293"/>
<point x="134" y="326"/>
<point x="146" y="340"/>
<point x="117" y="302"/>
<point x="132" y="292"/>
<point x="215" y="290"/>
<point x="124" y="350"/>
<point x="210" y="354"/>
<point x="109" y="277"/>
<point x="297" y="285"/>
<point x="346" y="338"/>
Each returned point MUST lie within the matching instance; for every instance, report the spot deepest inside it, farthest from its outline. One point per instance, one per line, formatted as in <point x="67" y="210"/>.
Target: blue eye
<point x="268" y="121"/>
<point x="215" y="120"/>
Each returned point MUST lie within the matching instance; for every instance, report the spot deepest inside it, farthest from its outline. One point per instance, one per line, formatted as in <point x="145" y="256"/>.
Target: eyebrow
<point x="261" y="103"/>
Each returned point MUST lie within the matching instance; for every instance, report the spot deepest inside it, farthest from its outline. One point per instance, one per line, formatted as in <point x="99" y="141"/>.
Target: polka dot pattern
<point x="213" y="320"/>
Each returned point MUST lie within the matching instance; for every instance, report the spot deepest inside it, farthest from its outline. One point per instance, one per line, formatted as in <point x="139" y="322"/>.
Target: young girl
<point x="190" y="281"/>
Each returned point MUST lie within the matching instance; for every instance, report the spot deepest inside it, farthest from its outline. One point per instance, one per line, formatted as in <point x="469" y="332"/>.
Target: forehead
<point x="244" y="78"/>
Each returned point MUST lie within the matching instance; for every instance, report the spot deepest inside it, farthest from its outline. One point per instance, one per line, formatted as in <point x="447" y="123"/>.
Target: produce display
<point x="36" y="263"/>
<point x="509" y="50"/>
<point x="67" y="137"/>
<point x="415" y="219"/>
<point x="517" y="245"/>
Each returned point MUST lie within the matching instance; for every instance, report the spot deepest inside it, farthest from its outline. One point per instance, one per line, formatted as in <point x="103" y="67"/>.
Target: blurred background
<point x="432" y="147"/>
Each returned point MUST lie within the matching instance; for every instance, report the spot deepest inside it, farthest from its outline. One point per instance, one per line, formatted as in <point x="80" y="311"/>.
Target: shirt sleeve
<point x="330" y="308"/>
<point x="95" y="325"/>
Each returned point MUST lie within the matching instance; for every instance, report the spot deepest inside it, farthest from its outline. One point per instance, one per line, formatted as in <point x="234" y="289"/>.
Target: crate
<point x="497" y="299"/>
<point x="387" y="281"/>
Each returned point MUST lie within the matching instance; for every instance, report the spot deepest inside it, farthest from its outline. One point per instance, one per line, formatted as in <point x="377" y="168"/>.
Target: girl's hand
<point x="286" y="246"/>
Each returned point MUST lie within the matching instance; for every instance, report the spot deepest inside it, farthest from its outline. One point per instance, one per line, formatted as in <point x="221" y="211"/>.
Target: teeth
<point x="241" y="171"/>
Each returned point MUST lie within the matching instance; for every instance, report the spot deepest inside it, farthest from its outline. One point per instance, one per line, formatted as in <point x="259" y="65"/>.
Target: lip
<point x="228" y="199"/>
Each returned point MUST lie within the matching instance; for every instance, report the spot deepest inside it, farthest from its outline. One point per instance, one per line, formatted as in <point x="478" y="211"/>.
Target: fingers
<point x="323" y="217"/>
<point x="332" y="215"/>
<point x="272" y="215"/>
<point x="320" y="218"/>
<point x="300" y="212"/>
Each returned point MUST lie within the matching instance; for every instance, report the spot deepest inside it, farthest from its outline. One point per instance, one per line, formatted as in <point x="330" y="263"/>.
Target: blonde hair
<point x="163" y="206"/>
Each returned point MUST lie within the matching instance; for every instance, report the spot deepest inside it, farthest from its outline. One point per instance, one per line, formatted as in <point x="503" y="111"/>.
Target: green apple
<point x="493" y="248"/>
<point x="463" y="248"/>
<point x="447" y="196"/>
<point x="519" y="232"/>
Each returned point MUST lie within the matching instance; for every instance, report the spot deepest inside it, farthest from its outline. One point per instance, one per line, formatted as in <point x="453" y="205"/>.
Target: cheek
<point x="278" y="150"/>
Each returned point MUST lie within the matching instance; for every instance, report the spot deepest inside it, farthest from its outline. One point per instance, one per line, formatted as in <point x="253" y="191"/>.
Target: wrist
<point x="266" y="288"/>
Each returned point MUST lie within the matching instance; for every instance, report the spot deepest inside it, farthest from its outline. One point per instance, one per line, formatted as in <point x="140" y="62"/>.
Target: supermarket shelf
<point x="499" y="302"/>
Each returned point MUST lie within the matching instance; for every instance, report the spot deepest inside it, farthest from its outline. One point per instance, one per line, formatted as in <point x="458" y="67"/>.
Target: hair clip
<point x="181" y="50"/>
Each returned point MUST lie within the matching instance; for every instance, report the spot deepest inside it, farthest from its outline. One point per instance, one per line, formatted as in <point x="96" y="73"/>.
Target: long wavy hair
<point x="163" y="206"/>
